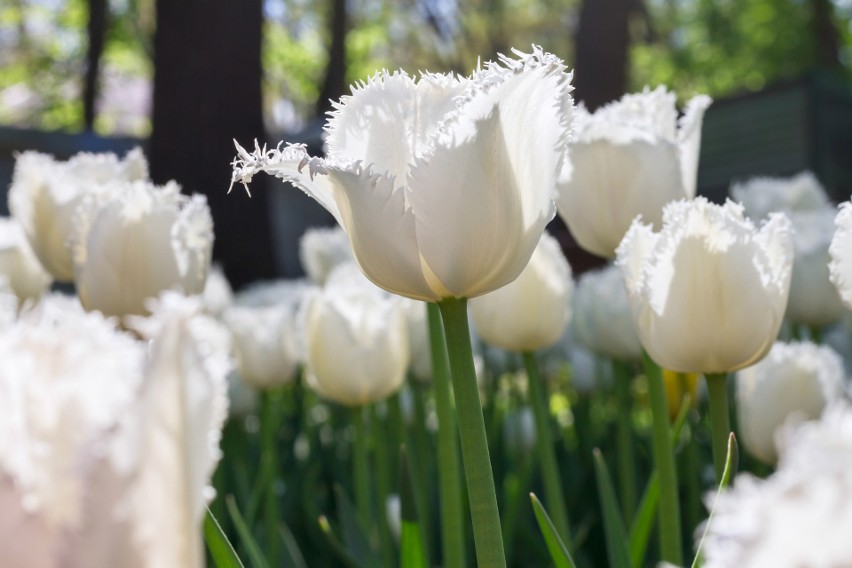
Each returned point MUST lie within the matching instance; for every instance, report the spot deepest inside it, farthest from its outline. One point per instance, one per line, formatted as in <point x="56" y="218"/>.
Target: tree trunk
<point x="96" y="32"/>
<point x="207" y="92"/>
<point x="334" y="85"/>
<point x="825" y="31"/>
<point x="602" y="49"/>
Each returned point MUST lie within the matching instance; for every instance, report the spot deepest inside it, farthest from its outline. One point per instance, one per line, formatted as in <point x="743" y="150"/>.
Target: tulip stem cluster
<point x="269" y="439"/>
<point x="553" y="493"/>
<point x="669" y="508"/>
<point x="482" y="496"/>
<point x="623" y="377"/>
<point x="452" y="514"/>
<point x="720" y="419"/>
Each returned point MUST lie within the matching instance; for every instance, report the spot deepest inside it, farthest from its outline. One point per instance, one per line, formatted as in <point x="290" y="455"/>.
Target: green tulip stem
<point x="669" y="507"/>
<point x="269" y="421"/>
<point x="449" y="474"/>
<point x="553" y="493"/>
<point x="361" y="468"/>
<point x="720" y="419"/>
<point x="474" y="442"/>
<point x="382" y="443"/>
<point x="623" y="377"/>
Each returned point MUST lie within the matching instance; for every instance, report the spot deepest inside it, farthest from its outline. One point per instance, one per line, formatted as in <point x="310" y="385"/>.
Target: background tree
<point x="207" y="93"/>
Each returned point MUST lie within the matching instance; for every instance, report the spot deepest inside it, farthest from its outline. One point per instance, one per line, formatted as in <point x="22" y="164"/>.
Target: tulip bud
<point x="628" y="158"/>
<point x="217" y="295"/>
<point x="531" y="312"/>
<point x="138" y="241"/>
<point x="18" y="264"/>
<point x="840" y="250"/>
<point x="419" y="348"/>
<point x="795" y="381"/>
<point x="677" y="386"/>
<point x="356" y="340"/>
<point x="708" y="292"/>
<point x="519" y="431"/>
<point x="321" y="250"/>
<point x="761" y="196"/>
<point x="45" y="194"/>
<point x="602" y="319"/>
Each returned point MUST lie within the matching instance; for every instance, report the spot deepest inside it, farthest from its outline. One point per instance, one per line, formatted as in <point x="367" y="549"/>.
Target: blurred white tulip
<point x="628" y="158"/>
<point x="800" y="515"/>
<point x="708" y="292"/>
<point x="321" y="250"/>
<point x="243" y="400"/>
<point x="356" y="340"/>
<point x="519" y="431"/>
<point x="419" y="347"/>
<point x="795" y="381"/>
<point x="265" y="344"/>
<point x="393" y="510"/>
<point x="217" y="294"/>
<point x="443" y="184"/>
<point x="840" y="250"/>
<point x="602" y="319"/>
<point x="18" y="264"/>
<point x="138" y="241"/>
<point x="814" y="300"/>
<point x="531" y="312"/>
<point x="107" y="443"/>
<point x="761" y="196"/>
<point x="45" y="194"/>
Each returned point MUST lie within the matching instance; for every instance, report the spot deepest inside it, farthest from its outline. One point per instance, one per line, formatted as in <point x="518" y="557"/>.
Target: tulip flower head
<point x="45" y="194"/>
<point x="443" y="184"/>
<point x="356" y="340"/>
<point x="840" y="251"/>
<point x="217" y="294"/>
<point x="628" y="158"/>
<point x="709" y="291"/>
<point x="138" y="241"/>
<point x="796" y="380"/>
<point x="814" y="301"/>
<point x="321" y="250"/>
<point x="602" y="319"/>
<point x="762" y="195"/>
<point x="799" y="516"/>
<point x="18" y="264"/>
<point x="531" y="312"/>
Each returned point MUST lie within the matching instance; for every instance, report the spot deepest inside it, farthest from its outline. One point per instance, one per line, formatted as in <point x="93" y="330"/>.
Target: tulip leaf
<point x="252" y="549"/>
<point x="558" y="552"/>
<point x="412" y="549"/>
<point x="643" y="522"/>
<point x="355" y="536"/>
<point x="616" y="536"/>
<point x="293" y="557"/>
<point x="731" y="462"/>
<point x="223" y="554"/>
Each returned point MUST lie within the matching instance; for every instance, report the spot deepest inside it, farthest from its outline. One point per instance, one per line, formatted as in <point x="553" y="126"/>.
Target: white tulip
<point x="443" y="185"/>
<point x="107" y="443"/>
<point x="45" y="194"/>
<point x="519" y="431"/>
<point x="814" y="300"/>
<point x="218" y="294"/>
<point x="265" y="344"/>
<point x="602" y="319"/>
<point x="762" y="195"/>
<point x="243" y="399"/>
<point x="840" y="250"/>
<point x="419" y="346"/>
<point x="708" y="292"/>
<point x="531" y="312"/>
<point x="18" y="264"/>
<point x="628" y="158"/>
<point x="795" y="381"/>
<point x="321" y="250"/>
<point x="356" y="340"/>
<point x="137" y="242"/>
<point x="799" y="516"/>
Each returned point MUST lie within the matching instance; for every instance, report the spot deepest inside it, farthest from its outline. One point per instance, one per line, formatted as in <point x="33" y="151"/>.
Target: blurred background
<point x="183" y="78"/>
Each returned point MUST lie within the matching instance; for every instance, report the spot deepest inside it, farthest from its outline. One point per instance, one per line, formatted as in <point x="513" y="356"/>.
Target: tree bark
<point x="334" y="85"/>
<point x="207" y="92"/>
<point x="826" y="34"/>
<point x="602" y="50"/>
<point x="96" y="32"/>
